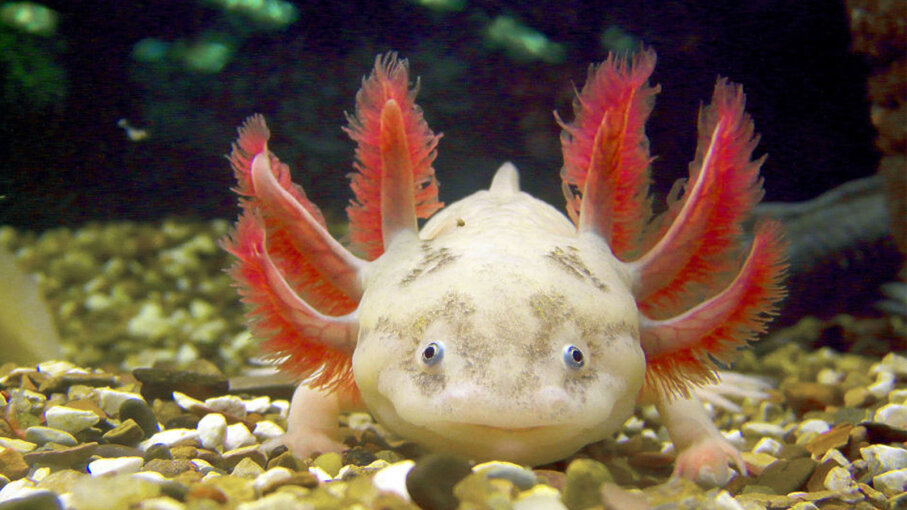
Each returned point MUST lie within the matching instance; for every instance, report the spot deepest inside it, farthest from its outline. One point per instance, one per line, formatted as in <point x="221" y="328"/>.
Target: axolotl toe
<point x="504" y="329"/>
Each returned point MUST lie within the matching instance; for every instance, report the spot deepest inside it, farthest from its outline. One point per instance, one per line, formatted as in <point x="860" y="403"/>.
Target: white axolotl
<point x="503" y="329"/>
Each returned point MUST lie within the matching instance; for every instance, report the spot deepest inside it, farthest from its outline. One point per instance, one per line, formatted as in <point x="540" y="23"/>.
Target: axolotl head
<point x="499" y="332"/>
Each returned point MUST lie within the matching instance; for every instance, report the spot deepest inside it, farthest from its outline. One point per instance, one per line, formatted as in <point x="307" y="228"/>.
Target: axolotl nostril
<point x="504" y="329"/>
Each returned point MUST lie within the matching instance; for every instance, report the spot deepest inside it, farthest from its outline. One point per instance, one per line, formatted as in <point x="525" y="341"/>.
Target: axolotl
<point x="504" y="329"/>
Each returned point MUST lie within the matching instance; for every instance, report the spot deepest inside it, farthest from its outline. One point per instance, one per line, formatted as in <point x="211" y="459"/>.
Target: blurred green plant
<point x="521" y="42"/>
<point x="29" y="17"/>
<point x="30" y="77"/>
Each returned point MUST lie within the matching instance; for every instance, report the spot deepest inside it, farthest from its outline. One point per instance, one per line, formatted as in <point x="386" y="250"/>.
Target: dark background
<point x="65" y="161"/>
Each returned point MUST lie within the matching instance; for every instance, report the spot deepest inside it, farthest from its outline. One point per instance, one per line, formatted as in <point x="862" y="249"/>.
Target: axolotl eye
<point x="432" y="354"/>
<point x="573" y="357"/>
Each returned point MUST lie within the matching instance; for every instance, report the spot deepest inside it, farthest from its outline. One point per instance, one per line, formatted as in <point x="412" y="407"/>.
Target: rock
<point x="768" y="445"/>
<point x="266" y="430"/>
<point x="70" y="419"/>
<point x="893" y="415"/>
<point x="19" y="445"/>
<point x="521" y="477"/>
<point x="34" y="500"/>
<point x="61" y="481"/>
<point x="330" y="462"/>
<point x="157" y="451"/>
<point x="891" y="483"/>
<point x="540" y="498"/>
<point x="237" y="436"/>
<point x="287" y="460"/>
<point x="110" y="451"/>
<point x="432" y="478"/>
<point x="12" y="464"/>
<point x="232" y="457"/>
<point x="117" y="466"/>
<point x="762" y="429"/>
<point x="212" y="431"/>
<point x="838" y="479"/>
<point x="268" y="480"/>
<point x="42" y="435"/>
<point x="247" y="468"/>
<point x="161" y="383"/>
<point x="393" y="478"/>
<point x="139" y="411"/>
<point x="171" y="438"/>
<point x="582" y="488"/>
<point x="785" y="476"/>
<point x="65" y="457"/>
<point x="858" y="397"/>
<point x="126" y="433"/>
<point x="228" y="404"/>
<point x="881" y="458"/>
<point x="834" y="438"/>
<point x="111" y="401"/>
<point x="882" y="386"/>
<point x="168" y="468"/>
<point x="811" y="396"/>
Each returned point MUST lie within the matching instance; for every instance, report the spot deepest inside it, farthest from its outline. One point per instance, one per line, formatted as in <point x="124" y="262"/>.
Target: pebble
<point x="202" y="466"/>
<point x="787" y="476"/>
<point x="247" y="468"/>
<point x="237" y="436"/>
<point x="110" y="399"/>
<point x="882" y="386"/>
<point x="893" y="415"/>
<point x="270" y="478"/>
<point x="70" y="419"/>
<point x="762" y="429"/>
<point x="330" y="463"/>
<point x="117" y="466"/>
<point x="228" y="404"/>
<point x="126" y="433"/>
<point x="767" y="445"/>
<point x="582" y="487"/>
<point x="138" y="410"/>
<point x="521" y="477"/>
<point x="34" y="500"/>
<point x="260" y="405"/>
<point x="393" y="478"/>
<point x="891" y="483"/>
<point x="20" y="445"/>
<point x="430" y="482"/>
<point x="266" y="430"/>
<point x="212" y="431"/>
<point x="171" y="438"/>
<point x="41" y="435"/>
<point x="881" y="458"/>
<point x="12" y="464"/>
<point x="838" y="479"/>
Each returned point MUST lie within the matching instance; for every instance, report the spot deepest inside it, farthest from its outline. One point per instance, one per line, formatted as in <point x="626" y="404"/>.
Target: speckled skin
<point x="505" y="283"/>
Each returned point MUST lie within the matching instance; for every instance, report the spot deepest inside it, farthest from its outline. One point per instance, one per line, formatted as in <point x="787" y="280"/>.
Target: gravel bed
<point x="149" y="411"/>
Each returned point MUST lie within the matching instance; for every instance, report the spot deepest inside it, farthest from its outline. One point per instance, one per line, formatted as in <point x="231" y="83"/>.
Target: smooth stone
<point x="70" y="419"/>
<point x="116" y="466"/>
<point x="228" y="404"/>
<point x="33" y="500"/>
<point x="881" y="458"/>
<point x="270" y="478"/>
<point x="786" y="476"/>
<point x="232" y="457"/>
<point x="521" y="477"/>
<point x="838" y="479"/>
<point x="266" y="429"/>
<point x="157" y="451"/>
<point x="891" y="483"/>
<point x="768" y="445"/>
<point x="202" y="466"/>
<point x="12" y="464"/>
<point x="66" y="457"/>
<point x="111" y="401"/>
<point x="168" y="468"/>
<point x="259" y="405"/>
<point x="61" y="481"/>
<point x="762" y="429"/>
<point x="212" y="431"/>
<point x="893" y="415"/>
<point x="542" y="497"/>
<point x="330" y="462"/>
<point x="139" y="411"/>
<point x="811" y="396"/>
<point x="247" y="468"/>
<point x="161" y="383"/>
<point x="42" y="435"/>
<point x="171" y="438"/>
<point x="20" y="445"/>
<point x="126" y="433"/>
<point x="238" y="436"/>
<point x="393" y="478"/>
<point x="109" y="451"/>
<point x="431" y="480"/>
<point x="582" y="487"/>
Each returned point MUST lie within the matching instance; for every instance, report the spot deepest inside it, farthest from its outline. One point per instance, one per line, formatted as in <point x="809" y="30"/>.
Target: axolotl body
<point x="504" y="329"/>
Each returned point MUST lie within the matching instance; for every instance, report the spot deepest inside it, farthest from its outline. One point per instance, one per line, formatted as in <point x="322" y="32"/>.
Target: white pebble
<point x="258" y="405"/>
<point x="171" y="437"/>
<point x="839" y="480"/>
<point x="151" y="476"/>
<point x="17" y="489"/>
<point x="19" y="445"/>
<point x="725" y="501"/>
<point x="161" y="503"/>
<point x="768" y="445"/>
<point x="893" y="363"/>
<point x="829" y="376"/>
<point x="202" y="466"/>
<point x="271" y="477"/>
<point x="540" y="497"/>
<point x="881" y="458"/>
<point x="882" y="386"/>
<point x="814" y="426"/>
<point x="40" y="474"/>
<point x="893" y="415"/>
<point x="735" y="437"/>
<point x="762" y="429"/>
<point x="185" y="401"/>
<point x="212" y="431"/>
<point x="41" y="435"/>
<point x="267" y="429"/>
<point x="891" y="482"/>
<point x="228" y="404"/>
<point x="115" y="466"/>
<point x="898" y="396"/>
<point x="835" y="455"/>
<point x="281" y="407"/>
<point x="55" y="368"/>
<point x="237" y="437"/>
<point x="111" y="400"/>
<point x="70" y="419"/>
<point x="393" y="478"/>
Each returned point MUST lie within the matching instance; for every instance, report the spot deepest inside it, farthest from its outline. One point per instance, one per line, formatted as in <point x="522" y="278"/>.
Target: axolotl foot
<point x="312" y="423"/>
<point x="708" y="462"/>
<point x="704" y="455"/>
